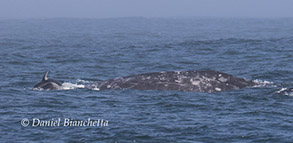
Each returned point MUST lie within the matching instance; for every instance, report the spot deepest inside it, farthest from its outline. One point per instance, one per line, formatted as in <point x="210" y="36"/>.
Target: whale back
<point x="195" y="81"/>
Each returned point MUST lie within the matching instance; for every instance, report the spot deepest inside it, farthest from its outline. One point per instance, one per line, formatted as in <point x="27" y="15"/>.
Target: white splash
<point x="39" y="89"/>
<point x="262" y="83"/>
<point x="68" y="86"/>
<point x="95" y="88"/>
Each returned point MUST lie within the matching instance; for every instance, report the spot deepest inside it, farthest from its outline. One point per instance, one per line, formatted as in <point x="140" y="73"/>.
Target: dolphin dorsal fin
<point x="45" y="76"/>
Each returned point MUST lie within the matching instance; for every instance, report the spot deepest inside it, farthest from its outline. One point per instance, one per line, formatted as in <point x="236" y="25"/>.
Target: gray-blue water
<point x="79" y="51"/>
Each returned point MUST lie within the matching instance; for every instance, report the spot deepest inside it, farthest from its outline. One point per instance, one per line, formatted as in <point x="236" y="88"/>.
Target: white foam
<point x="68" y="86"/>
<point x="95" y="88"/>
<point x="262" y="83"/>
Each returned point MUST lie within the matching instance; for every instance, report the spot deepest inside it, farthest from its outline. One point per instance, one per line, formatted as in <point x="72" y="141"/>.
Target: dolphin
<point x="286" y="91"/>
<point x="191" y="81"/>
<point x="48" y="84"/>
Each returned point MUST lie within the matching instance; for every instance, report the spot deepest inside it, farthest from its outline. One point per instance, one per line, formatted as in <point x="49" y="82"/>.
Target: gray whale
<point x="48" y="84"/>
<point x="192" y="81"/>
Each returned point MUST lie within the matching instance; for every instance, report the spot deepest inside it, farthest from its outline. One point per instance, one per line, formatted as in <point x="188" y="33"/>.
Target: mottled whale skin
<point x="48" y="84"/>
<point x="192" y="81"/>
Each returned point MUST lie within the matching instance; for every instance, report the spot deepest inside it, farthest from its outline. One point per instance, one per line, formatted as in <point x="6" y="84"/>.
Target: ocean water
<point x="81" y="51"/>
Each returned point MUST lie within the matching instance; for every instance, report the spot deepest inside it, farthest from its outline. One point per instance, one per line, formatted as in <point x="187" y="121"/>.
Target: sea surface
<point x="82" y="51"/>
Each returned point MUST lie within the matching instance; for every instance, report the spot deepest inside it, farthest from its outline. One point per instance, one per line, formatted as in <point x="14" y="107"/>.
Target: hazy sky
<point x="144" y="8"/>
